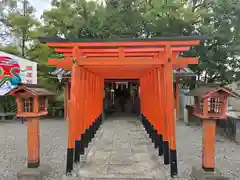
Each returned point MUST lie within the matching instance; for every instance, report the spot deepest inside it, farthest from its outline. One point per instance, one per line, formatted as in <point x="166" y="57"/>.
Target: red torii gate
<point x="150" y="60"/>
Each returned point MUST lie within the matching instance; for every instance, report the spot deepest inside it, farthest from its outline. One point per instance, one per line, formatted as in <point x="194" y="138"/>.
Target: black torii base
<point x="163" y="146"/>
<point x="73" y="155"/>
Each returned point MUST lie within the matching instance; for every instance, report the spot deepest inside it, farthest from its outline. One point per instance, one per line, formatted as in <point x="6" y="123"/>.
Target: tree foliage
<point x="220" y="19"/>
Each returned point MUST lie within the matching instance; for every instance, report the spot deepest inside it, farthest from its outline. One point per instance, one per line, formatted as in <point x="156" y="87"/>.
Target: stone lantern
<point x="32" y="102"/>
<point x="210" y="104"/>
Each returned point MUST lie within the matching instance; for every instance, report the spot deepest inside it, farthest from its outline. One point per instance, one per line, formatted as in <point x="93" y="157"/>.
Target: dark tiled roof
<point x="172" y="38"/>
<point x="41" y="91"/>
<point x="182" y="72"/>
<point x="201" y="91"/>
<point x="35" y="89"/>
<point x="204" y="90"/>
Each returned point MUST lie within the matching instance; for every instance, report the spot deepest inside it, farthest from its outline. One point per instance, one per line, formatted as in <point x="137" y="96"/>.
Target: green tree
<point x="5" y="7"/>
<point x="11" y="49"/>
<point x="219" y="57"/>
<point x="18" y="17"/>
<point x="69" y="19"/>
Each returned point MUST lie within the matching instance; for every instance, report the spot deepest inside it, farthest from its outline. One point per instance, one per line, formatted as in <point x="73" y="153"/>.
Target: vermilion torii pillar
<point x="163" y="114"/>
<point x="159" y="111"/>
<point x="66" y="99"/>
<point x="72" y="118"/>
<point x="168" y="69"/>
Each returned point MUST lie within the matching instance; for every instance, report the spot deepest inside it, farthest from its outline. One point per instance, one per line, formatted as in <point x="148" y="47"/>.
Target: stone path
<point x="122" y="150"/>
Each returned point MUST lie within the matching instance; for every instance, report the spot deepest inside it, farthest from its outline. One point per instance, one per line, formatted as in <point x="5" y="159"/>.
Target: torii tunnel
<point x="152" y="61"/>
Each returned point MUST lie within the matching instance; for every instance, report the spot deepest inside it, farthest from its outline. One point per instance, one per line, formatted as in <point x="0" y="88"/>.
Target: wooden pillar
<point x="149" y="88"/>
<point x="102" y="94"/>
<point x="80" y="113"/>
<point x="93" y="104"/>
<point x="94" y="98"/>
<point x="73" y="116"/>
<point x="158" y="112"/>
<point x="90" y="105"/>
<point x="143" y="100"/>
<point x="90" y="101"/>
<point x="140" y="96"/>
<point x="33" y="143"/>
<point x="163" y="101"/>
<point x="141" y="93"/>
<point x="154" y="109"/>
<point x="86" y="114"/>
<point x="33" y="138"/>
<point x="38" y="139"/>
<point x="170" y="111"/>
<point x="19" y="104"/>
<point x="177" y="98"/>
<point x="208" y="141"/>
<point x="66" y="100"/>
<point x="149" y="100"/>
<point x="148" y="104"/>
<point x="98" y="95"/>
<point x="146" y="98"/>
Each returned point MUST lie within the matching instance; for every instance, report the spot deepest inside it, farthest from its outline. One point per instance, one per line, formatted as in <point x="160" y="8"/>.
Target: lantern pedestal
<point x="34" y="173"/>
<point x="208" y="144"/>
<point x="199" y="174"/>
<point x="208" y="170"/>
<point x="33" y="142"/>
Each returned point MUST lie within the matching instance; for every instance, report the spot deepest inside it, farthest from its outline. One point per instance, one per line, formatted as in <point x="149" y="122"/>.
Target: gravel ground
<point x="54" y="140"/>
<point x="189" y="147"/>
<point x="13" y="145"/>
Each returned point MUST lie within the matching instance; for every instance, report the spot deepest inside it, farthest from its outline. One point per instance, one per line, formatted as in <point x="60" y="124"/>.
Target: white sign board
<point x="14" y="69"/>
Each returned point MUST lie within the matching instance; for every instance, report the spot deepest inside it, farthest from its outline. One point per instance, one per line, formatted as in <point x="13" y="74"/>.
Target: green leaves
<point x="219" y="57"/>
<point x="10" y="49"/>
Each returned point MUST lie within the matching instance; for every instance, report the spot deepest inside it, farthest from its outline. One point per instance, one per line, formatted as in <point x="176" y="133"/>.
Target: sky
<point x="40" y="6"/>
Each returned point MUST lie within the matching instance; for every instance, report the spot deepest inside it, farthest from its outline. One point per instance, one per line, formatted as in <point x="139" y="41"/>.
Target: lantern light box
<point x="32" y="100"/>
<point x="211" y="102"/>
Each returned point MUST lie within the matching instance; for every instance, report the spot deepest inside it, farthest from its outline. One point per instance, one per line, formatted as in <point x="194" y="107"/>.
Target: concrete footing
<point x="199" y="174"/>
<point x="34" y="173"/>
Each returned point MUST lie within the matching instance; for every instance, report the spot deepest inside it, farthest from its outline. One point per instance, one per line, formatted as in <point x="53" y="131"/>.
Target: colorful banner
<point x="15" y="70"/>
